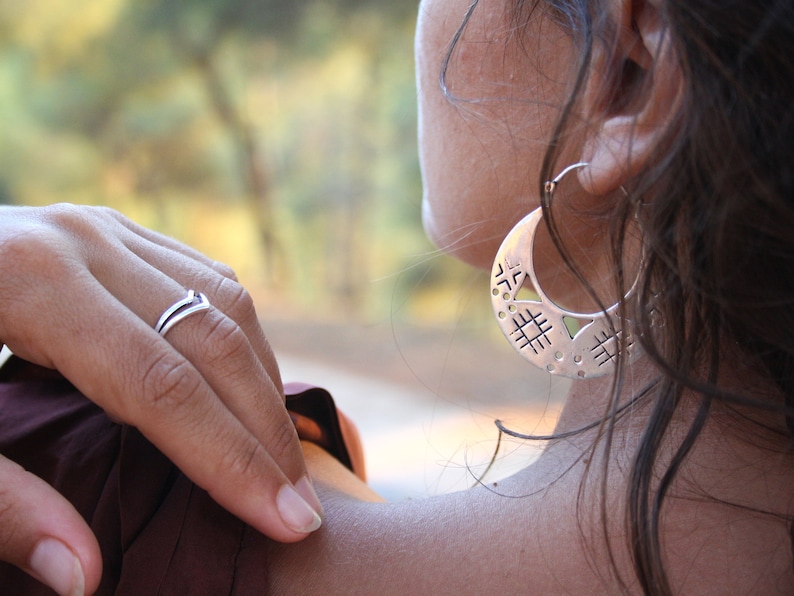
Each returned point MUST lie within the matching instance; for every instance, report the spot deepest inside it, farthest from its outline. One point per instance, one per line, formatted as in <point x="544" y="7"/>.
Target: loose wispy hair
<point x="716" y="212"/>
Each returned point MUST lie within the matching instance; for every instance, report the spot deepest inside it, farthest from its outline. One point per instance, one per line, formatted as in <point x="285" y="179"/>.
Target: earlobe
<point x="629" y="116"/>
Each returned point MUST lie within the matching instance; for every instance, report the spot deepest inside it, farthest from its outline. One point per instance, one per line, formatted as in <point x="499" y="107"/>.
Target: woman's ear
<point x="632" y="98"/>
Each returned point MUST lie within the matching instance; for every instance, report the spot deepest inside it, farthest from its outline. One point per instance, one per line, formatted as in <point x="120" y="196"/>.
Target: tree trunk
<point x="251" y="160"/>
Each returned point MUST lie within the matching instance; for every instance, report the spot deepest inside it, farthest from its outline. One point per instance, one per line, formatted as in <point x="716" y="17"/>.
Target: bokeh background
<point x="280" y="138"/>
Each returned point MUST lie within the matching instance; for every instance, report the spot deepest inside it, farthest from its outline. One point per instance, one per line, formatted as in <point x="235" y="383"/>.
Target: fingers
<point x="160" y="240"/>
<point x="179" y="411"/>
<point x="220" y="350"/>
<point x="210" y="397"/>
<point x="41" y="533"/>
<point x="154" y="387"/>
<point x="226" y="295"/>
<point x="227" y="347"/>
<point x="191" y="269"/>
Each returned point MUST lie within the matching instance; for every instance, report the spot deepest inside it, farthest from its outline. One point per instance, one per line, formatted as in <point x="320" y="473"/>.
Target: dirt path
<point x="424" y="399"/>
<point x="444" y="363"/>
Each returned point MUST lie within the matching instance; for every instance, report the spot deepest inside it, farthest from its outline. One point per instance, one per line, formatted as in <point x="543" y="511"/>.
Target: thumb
<point x="41" y="533"/>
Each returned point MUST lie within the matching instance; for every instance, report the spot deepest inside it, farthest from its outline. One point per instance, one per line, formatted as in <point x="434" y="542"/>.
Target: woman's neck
<point x="590" y="401"/>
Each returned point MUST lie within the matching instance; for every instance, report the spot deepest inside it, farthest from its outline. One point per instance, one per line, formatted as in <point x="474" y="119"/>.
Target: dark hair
<point x="717" y="221"/>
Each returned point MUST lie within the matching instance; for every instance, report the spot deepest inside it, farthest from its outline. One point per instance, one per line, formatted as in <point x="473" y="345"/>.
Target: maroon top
<point x="159" y="533"/>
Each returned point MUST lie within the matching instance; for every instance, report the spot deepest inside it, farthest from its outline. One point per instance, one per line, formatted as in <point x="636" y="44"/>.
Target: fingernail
<point x="295" y="512"/>
<point x="305" y="489"/>
<point x="57" y="566"/>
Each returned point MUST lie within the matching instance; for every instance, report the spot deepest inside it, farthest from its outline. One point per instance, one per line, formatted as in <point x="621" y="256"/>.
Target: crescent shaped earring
<point x="537" y="328"/>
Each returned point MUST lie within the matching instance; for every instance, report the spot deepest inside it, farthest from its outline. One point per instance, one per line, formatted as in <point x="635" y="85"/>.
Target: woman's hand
<point x="80" y="291"/>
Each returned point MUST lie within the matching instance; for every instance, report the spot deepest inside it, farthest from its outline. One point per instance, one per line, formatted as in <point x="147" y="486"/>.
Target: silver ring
<point x="181" y="309"/>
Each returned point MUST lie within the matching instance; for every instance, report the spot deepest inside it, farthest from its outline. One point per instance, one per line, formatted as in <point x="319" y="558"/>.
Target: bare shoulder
<point x="483" y="539"/>
<point x="541" y="531"/>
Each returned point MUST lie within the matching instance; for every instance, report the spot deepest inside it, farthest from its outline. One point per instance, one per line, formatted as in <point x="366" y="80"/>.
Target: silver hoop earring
<point x="537" y="329"/>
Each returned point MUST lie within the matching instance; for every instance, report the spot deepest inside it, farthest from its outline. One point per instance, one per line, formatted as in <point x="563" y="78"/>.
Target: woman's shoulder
<point x="496" y="536"/>
<point x="544" y="530"/>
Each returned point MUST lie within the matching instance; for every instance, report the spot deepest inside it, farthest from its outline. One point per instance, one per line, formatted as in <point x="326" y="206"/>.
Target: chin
<point x="466" y="248"/>
<point x="429" y="224"/>
<point x="480" y="255"/>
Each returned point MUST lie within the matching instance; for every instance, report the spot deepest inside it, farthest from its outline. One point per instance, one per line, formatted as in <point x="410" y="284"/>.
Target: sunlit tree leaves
<point x="302" y="111"/>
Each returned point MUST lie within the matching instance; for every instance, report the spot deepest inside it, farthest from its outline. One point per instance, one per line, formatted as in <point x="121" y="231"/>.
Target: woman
<point x="672" y="472"/>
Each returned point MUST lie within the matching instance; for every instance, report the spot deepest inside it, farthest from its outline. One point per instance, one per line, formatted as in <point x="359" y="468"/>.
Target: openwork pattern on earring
<point x="537" y="329"/>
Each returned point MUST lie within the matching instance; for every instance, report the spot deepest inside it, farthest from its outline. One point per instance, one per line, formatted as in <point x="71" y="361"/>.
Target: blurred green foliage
<point x="276" y="136"/>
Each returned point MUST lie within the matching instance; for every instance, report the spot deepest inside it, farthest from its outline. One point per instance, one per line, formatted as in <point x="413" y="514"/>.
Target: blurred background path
<point x="424" y="400"/>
